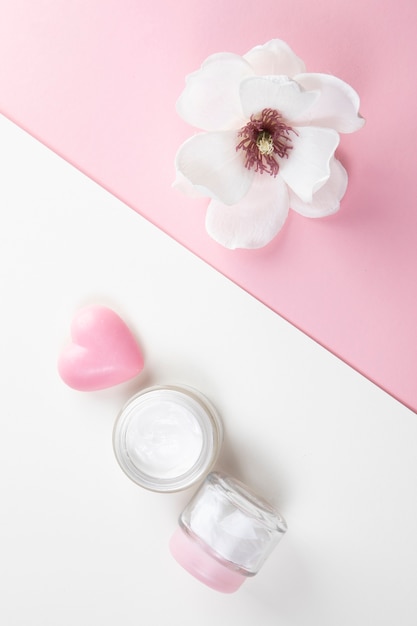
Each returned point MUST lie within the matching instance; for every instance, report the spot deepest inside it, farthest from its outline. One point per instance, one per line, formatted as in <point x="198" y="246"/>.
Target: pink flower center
<point x="264" y="138"/>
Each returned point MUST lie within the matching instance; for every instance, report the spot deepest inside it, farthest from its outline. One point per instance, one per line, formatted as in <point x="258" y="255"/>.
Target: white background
<point x="80" y="544"/>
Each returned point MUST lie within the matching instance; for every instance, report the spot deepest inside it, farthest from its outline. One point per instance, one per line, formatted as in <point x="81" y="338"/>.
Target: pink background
<point x="97" y="82"/>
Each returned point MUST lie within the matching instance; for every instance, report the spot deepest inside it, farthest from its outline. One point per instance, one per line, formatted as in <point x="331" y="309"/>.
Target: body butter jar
<point x="226" y="533"/>
<point x="167" y="438"/>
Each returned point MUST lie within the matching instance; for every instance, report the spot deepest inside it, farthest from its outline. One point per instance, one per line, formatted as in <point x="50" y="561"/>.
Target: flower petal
<point x="187" y="188"/>
<point x="274" y="57"/>
<point x="255" y="220"/>
<point x="337" y="105"/>
<point x="210" y="99"/>
<point x="326" y="200"/>
<point x="307" y="167"/>
<point x="210" y="161"/>
<point x="275" y="92"/>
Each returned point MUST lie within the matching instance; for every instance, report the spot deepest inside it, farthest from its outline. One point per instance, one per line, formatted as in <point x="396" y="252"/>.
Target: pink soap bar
<point x="102" y="353"/>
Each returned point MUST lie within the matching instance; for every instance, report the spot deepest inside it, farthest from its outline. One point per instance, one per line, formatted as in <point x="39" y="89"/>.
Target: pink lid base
<point x="192" y="557"/>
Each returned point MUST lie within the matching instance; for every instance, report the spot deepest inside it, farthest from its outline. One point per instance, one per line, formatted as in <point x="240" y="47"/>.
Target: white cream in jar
<point x="225" y="533"/>
<point x="167" y="438"/>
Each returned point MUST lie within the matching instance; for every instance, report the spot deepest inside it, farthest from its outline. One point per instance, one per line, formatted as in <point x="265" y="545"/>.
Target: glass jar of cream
<point x="226" y="533"/>
<point x="167" y="438"/>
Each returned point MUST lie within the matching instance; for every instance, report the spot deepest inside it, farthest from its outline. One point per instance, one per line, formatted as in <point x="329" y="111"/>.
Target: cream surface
<point x="164" y="438"/>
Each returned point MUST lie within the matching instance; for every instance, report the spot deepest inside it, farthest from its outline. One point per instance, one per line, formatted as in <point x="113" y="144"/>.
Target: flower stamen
<point x="265" y="143"/>
<point x="265" y="137"/>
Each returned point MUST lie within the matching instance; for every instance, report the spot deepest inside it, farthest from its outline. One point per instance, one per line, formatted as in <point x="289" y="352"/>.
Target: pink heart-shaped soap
<point x="103" y="351"/>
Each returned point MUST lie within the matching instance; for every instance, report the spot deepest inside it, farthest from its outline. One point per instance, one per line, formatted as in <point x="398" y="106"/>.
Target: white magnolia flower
<point x="271" y="134"/>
